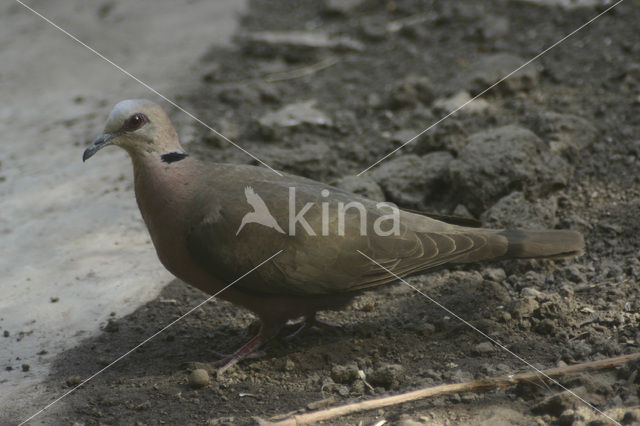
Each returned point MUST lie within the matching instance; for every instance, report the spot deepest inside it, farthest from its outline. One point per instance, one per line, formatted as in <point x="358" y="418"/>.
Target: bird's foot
<point x="226" y="361"/>
<point x="308" y="322"/>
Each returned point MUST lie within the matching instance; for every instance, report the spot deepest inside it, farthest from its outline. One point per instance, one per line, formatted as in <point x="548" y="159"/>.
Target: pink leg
<point x="244" y="351"/>
<point x="310" y="321"/>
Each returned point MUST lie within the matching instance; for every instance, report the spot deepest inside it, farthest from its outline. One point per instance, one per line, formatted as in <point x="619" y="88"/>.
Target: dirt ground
<point x="389" y="70"/>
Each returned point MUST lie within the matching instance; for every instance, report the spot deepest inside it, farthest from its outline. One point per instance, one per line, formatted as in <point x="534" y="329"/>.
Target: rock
<point x="546" y="327"/>
<point x="495" y="162"/>
<point x="532" y="292"/>
<point x="289" y="365"/>
<point x="457" y="103"/>
<point x="490" y="69"/>
<point x="361" y="185"/>
<point x="345" y="374"/>
<point x="74" y="380"/>
<point x="495" y="292"/>
<point x="566" y="134"/>
<point x="296" y="114"/>
<point x="307" y="159"/>
<point x="579" y="350"/>
<point x="462" y="211"/>
<point x="515" y="211"/>
<point x="409" y="179"/>
<point x="494" y="274"/>
<point x="450" y="135"/>
<point x="199" y="378"/>
<point x="581" y="415"/>
<point x="572" y="273"/>
<point x="558" y="403"/>
<point x="343" y="390"/>
<point x="409" y="92"/>
<point x="524" y="308"/>
<point x="387" y="375"/>
<point x="483" y="348"/>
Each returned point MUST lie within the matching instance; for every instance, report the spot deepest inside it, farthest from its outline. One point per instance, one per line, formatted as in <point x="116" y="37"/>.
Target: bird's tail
<point x="549" y="244"/>
<point x="523" y="244"/>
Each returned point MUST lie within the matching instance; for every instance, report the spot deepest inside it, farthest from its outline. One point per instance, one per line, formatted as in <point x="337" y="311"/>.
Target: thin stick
<point x="476" y="385"/>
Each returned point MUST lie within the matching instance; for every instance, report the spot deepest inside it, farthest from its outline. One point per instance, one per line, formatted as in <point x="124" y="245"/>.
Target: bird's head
<point x="138" y="126"/>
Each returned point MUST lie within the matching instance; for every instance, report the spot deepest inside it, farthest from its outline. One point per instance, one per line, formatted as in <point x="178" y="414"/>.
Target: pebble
<point x="74" y="380"/>
<point x="483" y="348"/>
<point x="344" y="373"/>
<point x="199" y="378"/>
<point x="494" y="274"/>
<point x="387" y="375"/>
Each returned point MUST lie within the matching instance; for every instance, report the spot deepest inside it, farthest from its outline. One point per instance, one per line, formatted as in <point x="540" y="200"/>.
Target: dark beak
<point x="97" y="144"/>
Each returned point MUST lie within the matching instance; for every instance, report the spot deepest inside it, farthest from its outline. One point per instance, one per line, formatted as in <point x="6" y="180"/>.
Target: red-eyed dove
<point x="211" y="223"/>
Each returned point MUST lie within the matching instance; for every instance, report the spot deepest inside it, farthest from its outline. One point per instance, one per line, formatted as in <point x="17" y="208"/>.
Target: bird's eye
<point x="135" y="121"/>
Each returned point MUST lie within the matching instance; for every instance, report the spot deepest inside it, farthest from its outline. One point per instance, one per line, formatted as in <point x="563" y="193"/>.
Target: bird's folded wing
<point x="322" y="265"/>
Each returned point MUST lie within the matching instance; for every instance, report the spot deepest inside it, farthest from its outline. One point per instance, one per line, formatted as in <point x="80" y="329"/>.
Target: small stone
<point x="558" y="403"/>
<point x="296" y="114"/>
<point x="532" y="292"/>
<point x="461" y="103"/>
<point x="546" y="326"/>
<point x="410" y="91"/>
<point x="387" y="375"/>
<point x="494" y="274"/>
<point x="524" y="307"/>
<point x="343" y="390"/>
<point x="515" y="211"/>
<point x="573" y="273"/>
<point x="344" y="373"/>
<point x="289" y="365"/>
<point x="490" y="69"/>
<point x="483" y="348"/>
<point x="199" y="378"/>
<point x="409" y="179"/>
<point x="74" y="380"/>
<point x="509" y="158"/>
<point x="567" y="134"/>
<point x="361" y="185"/>
<point x="427" y="329"/>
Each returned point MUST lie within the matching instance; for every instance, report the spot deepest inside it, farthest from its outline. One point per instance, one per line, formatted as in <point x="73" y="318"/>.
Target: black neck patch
<point x="172" y="157"/>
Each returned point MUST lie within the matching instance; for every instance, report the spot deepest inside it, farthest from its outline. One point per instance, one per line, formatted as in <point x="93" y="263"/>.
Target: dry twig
<point x="475" y="385"/>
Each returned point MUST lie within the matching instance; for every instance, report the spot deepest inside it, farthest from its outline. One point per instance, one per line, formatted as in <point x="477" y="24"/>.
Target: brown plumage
<point x="195" y="212"/>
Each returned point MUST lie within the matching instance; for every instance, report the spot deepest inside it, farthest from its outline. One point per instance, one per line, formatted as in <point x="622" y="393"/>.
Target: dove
<point x="211" y="223"/>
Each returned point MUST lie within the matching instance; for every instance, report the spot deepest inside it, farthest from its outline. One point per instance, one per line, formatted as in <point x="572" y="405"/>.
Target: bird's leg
<point x="268" y="330"/>
<point x="308" y="321"/>
<point x="244" y="351"/>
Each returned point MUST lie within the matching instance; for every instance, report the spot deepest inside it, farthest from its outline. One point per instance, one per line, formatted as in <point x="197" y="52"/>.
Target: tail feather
<point x="550" y="244"/>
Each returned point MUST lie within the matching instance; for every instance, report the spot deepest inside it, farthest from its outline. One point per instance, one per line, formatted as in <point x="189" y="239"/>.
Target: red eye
<point x="135" y="121"/>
